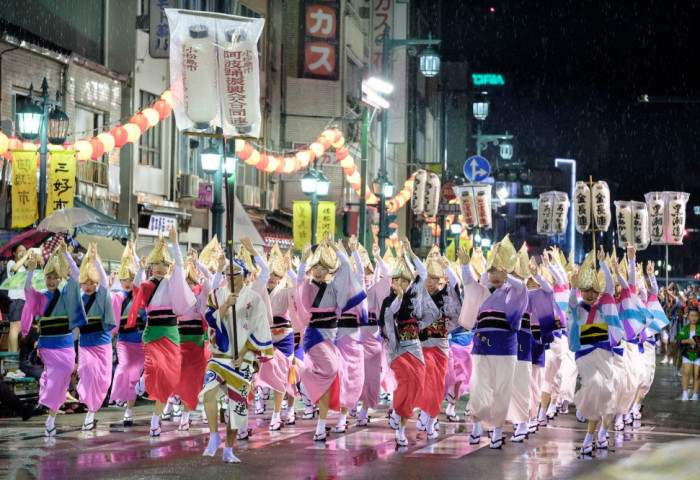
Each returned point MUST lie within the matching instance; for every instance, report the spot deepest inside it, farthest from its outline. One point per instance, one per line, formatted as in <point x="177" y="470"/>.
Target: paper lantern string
<point x="119" y="133"/>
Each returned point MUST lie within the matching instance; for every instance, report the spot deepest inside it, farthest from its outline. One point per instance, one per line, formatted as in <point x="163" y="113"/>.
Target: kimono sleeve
<point x="181" y="295"/>
<point x="33" y="306"/>
<point x="260" y="339"/>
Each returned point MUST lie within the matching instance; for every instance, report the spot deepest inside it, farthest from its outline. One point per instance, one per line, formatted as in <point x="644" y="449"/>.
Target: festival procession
<point x="226" y="241"/>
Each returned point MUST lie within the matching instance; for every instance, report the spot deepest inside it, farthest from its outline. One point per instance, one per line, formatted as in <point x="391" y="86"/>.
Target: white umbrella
<point x="67" y="219"/>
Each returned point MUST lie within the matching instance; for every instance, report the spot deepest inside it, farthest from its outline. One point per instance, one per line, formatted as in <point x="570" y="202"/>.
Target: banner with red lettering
<point x="215" y="71"/>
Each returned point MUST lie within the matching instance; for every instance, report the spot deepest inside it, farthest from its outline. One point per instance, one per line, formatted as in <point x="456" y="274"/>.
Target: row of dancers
<point x="340" y="328"/>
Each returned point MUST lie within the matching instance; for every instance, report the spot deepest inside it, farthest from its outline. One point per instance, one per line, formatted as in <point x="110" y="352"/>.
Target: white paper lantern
<point x="544" y="215"/>
<point x="582" y="207"/>
<point x="560" y="213"/>
<point x="466" y="202"/>
<point x="623" y="217"/>
<point x="418" y="195"/>
<point x="432" y="195"/>
<point x="239" y="81"/>
<point x="199" y="76"/>
<point x="640" y="225"/>
<point x="601" y="205"/>
<point x="676" y="214"/>
<point x="657" y="212"/>
<point x="483" y="206"/>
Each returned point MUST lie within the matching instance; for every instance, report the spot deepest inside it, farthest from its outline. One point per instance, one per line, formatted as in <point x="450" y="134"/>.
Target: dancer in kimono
<point x="459" y="372"/>
<point x="236" y="319"/>
<point x="539" y="307"/>
<point x="689" y="344"/>
<point x="377" y="285"/>
<point x="404" y="313"/>
<point x="557" y="353"/>
<point x="160" y="300"/>
<point x="594" y="327"/>
<point x="351" y="365"/>
<point x="129" y="349"/>
<point x="436" y="347"/>
<point x="320" y="302"/>
<point x="497" y="312"/>
<point x="275" y="373"/>
<point x="58" y="311"/>
<point x="658" y="321"/>
<point x="192" y="329"/>
<point x="95" y="347"/>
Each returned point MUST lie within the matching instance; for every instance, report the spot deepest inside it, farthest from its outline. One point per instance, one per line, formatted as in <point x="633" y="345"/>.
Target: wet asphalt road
<point x="113" y="451"/>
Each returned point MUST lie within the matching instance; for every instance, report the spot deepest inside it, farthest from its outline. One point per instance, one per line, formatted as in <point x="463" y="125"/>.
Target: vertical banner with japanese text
<point x="321" y="32"/>
<point x="382" y="16"/>
<point x="325" y="220"/>
<point x="61" y="186"/>
<point x="159" y="34"/>
<point x="24" y="195"/>
<point x="301" y="227"/>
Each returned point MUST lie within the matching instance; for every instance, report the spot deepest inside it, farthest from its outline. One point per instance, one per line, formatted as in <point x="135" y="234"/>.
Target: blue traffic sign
<point x="476" y="169"/>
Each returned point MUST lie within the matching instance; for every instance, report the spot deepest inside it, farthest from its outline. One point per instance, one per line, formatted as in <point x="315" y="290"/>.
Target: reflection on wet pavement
<point x="112" y="451"/>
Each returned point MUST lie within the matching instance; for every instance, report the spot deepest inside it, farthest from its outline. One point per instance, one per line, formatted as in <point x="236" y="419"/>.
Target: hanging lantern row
<point x="105" y="142"/>
<point x="331" y="137"/>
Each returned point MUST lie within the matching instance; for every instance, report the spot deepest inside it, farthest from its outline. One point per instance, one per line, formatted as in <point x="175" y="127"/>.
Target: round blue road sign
<point x="476" y="169"/>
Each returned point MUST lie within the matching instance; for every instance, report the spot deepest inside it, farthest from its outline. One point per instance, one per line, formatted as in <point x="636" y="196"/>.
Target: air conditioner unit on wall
<point x="267" y="200"/>
<point x="189" y="186"/>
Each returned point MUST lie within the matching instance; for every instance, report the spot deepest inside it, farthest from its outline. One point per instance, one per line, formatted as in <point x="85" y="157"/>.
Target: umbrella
<point x="16" y="281"/>
<point x="30" y="238"/>
<point x="67" y="219"/>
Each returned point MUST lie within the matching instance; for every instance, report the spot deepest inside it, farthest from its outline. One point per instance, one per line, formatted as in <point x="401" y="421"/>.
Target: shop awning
<point x="107" y="227"/>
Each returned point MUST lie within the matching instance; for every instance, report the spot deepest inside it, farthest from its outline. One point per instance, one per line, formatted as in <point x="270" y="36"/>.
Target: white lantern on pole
<point x="418" y="194"/>
<point x="198" y="63"/>
<point x="239" y="81"/>
<point x="582" y="206"/>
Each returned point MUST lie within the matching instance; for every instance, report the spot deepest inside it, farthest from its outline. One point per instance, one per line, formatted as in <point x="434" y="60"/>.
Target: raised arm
<point x="74" y="270"/>
<point x="609" y="282"/>
<point x="518" y="284"/>
<point x="181" y="296"/>
<point x="653" y="286"/>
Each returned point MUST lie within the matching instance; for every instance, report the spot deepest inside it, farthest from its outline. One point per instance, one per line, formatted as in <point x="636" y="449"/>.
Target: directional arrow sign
<point x="476" y="169"/>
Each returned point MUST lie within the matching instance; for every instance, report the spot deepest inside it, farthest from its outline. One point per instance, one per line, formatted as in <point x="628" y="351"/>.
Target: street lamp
<point x="35" y="120"/>
<point x="315" y="184"/>
<point x="481" y="109"/>
<point x="506" y="150"/>
<point x="211" y="164"/>
<point x="429" y="61"/>
<point x="430" y="67"/>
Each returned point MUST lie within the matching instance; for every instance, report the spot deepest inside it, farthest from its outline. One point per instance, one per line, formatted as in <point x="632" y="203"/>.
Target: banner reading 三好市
<point x="61" y="186"/>
<point x="301" y="218"/>
<point x="24" y="196"/>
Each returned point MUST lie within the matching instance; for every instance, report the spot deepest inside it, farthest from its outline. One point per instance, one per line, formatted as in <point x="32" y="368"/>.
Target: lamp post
<point x="34" y="120"/>
<point x="211" y="164"/>
<point x="430" y="67"/>
<point x="315" y="184"/>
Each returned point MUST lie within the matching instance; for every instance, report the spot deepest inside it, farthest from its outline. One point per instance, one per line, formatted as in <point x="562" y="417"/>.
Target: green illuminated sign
<point x="480" y="79"/>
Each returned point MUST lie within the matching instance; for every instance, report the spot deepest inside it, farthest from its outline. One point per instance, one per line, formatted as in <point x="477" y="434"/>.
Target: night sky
<point x="574" y="72"/>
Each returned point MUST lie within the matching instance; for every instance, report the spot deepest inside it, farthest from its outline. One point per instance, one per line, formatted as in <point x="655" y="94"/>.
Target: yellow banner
<point x="464" y="242"/>
<point x="301" y="224"/>
<point x="61" y="186"/>
<point x="450" y="251"/>
<point x="325" y="220"/>
<point x="24" y="196"/>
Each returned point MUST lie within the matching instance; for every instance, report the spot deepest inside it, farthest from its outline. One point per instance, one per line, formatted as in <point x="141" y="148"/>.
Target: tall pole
<point x="217" y="207"/>
<point x="43" y="150"/>
<point x="314" y="217"/>
<point x="229" y="235"/>
<point x="667" y="267"/>
<point x="443" y="143"/>
<point x="362" y="228"/>
<point x="478" y="138"/>
<point x="383" y="230"/>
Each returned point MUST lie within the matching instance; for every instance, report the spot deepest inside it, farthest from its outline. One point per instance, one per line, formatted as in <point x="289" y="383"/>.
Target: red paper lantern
<point x="297" y="164"/>
<point x="350" y="170"/>
<point x="140" y="120"/>
<point x="98" y="148"/>
<point x="280" y="164"/>
<point x="164" y="110"/>
<point x="253" y="159"/>
<point x="120" y="136"/>
<point x="262" y="164"/>
<point x="324" y="141"/>
<point x="245" y="153"/>
<point x="342" y="153"/>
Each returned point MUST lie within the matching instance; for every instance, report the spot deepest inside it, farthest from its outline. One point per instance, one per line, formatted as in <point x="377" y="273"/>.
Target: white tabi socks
<point x="214" y="442"/>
